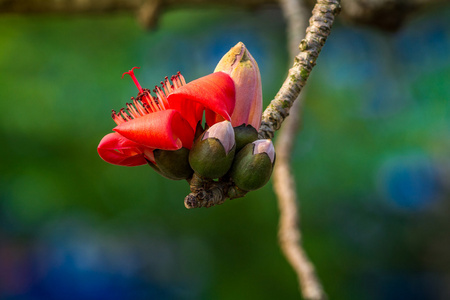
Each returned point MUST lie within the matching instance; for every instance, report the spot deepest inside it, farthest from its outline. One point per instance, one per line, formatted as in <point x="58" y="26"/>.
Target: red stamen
<point x="145" y="102"/>
<point x="151" y="101"/>
<point x="176" y="81"/>
<point x="118" y="119"/>
<point x="142" y="111"/>
<point x="131" y="73"/>
<point x="124" y="115"/>
<point x="161" y="103"/>
<point x="168" y="85"/>
<point x="148" y="108"/>
<point x="161" y="97"/>
<point x="164" y="85"/>
<point x="132" y="111"/>
<point x="183" y="82"/>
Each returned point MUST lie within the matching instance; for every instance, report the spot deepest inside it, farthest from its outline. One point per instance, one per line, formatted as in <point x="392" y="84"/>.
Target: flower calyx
<point x="244" y="134"/>
<point x="213" y="152"/>
<point x="172" y="164"/>
<point x="252" y="166"/>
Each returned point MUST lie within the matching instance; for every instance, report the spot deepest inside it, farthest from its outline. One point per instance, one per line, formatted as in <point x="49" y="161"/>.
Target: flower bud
<point x="213" y="152"/>
<point x="245" y="134"/>
<point x="173" y="164"/>
<point x="253" y="165"/>
<point x="243" y="69"/>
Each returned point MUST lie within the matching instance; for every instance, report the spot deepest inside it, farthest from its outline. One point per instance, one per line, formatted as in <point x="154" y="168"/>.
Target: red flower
<point x="167" y="120"/>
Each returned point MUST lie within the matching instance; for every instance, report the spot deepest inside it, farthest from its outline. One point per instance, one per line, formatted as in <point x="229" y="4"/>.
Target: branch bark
<point x="385" y="14"/>
<point x="289" y="233"/>
<point x="147" y="10"/>
<point x="320" y="23"/>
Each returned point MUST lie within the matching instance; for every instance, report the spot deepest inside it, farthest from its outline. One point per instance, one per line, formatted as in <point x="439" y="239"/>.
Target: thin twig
<point x="289" y="233"/>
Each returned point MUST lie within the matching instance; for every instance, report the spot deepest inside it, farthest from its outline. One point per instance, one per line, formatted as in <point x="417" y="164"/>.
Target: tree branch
<point x="289" y="233"/>
<point x="385" y="14"/>
<point x="319" y="28"/>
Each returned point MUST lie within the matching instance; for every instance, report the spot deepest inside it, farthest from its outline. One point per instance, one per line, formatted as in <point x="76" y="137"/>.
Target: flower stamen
<point x="124" y="115"/>
<point x="151" y="101"/>
<point x="138" y="104"/>
<point x="175" y="82"/>
<point x="132" y="111"/>
<point x="167" y="85"/>
<point x="131" y="73"/>
<point x="183" y="82"/>
<point x="164" y="84"/>
<point x="162" y="97"/>
<point x="145" y="103"/>
<point x="117" y="117"/>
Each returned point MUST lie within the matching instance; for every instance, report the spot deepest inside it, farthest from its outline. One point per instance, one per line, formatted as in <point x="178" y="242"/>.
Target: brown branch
<point x="316" y="34"/>
<point x="289" y="233"/>
<point x="385" y="14"/>
<point x="147" y="11"/>
<point x="98" y="6"/>
<point x="207" y="192"/>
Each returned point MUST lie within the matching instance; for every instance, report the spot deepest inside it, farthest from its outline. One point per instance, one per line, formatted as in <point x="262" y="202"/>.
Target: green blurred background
<point x="371" y="162"/>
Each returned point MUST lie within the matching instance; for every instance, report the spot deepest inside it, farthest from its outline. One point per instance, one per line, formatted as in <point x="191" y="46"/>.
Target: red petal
<point x="214" y="92"/>
<point x="212" y="118"/>
<point x="166" y="130"/>
<point x="117" y="150"/>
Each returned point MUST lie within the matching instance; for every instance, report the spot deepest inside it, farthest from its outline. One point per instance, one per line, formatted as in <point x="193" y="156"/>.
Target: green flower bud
<point x="172" y="164"/>
<point x="213" y="152"/>
<point x="245" y="134"/>
<point x="253" y="165"/>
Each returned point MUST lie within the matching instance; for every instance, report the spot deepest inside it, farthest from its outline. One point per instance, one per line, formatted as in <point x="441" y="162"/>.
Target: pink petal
<point x="248" y="108"/>
<point x="243" y="69"/>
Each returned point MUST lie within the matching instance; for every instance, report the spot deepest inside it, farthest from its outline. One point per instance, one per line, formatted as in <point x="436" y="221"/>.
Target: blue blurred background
<point x="371" y="162"/>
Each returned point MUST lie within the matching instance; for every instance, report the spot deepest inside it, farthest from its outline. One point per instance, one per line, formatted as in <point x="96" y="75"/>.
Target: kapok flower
<point x="243" y="69"/>
<point x="168" y="120"/>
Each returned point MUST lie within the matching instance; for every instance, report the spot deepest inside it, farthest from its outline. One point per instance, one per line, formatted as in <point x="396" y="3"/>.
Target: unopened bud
<point x="245" y="134"/>
<point x="265" y="146"/>
<point x="243" y="69"/>
<point x="173" y="164"/>
<point x="213" y="152"/>
<point x="253" y="165"/>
